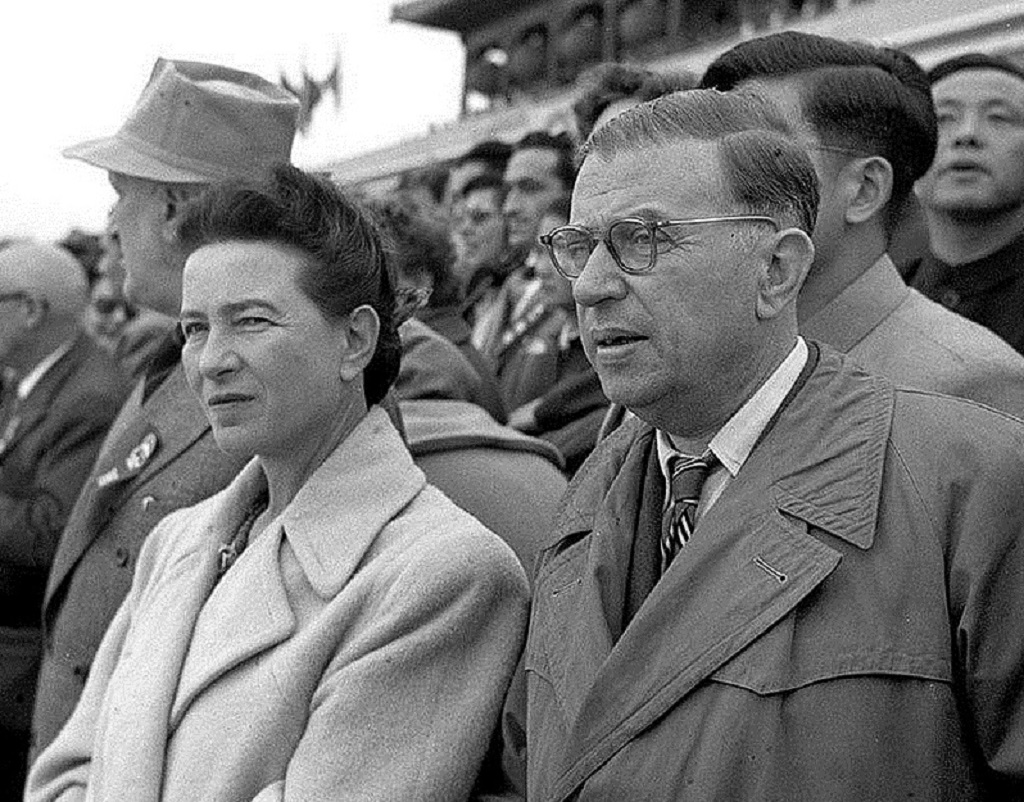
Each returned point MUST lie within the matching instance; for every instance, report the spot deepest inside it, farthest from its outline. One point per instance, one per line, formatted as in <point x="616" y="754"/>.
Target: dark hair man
<point x="484" y="158"/>
<point x="973" y="195"/>
<point x="867" y="117"/>
<point x="193" y="125"/>
<point x="538" y="171"/>
<point x="777" y="581"/>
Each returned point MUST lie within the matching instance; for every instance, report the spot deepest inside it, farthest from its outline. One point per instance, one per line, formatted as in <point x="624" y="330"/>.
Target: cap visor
<point x="117" y="155"/>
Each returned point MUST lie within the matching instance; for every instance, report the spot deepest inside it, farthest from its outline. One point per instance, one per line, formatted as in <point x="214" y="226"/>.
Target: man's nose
<point x="600" y="280"/>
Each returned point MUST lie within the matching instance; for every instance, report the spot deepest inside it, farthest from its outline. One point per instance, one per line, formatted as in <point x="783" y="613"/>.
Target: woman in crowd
<point x="329" y="626"/>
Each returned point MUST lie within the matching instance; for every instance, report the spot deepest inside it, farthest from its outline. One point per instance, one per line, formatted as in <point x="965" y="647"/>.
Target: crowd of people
<point x="680" y="456"/>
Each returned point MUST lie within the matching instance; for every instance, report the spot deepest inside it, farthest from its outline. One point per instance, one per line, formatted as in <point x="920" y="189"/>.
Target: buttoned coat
<point x="45" y="456"/>
<point x="159" y="456"/>
<point x="359" y="648"/>
<point x="844" y="623"/>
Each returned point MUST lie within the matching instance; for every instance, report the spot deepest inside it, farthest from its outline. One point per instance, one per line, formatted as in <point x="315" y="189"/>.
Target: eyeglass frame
<point x="652" y="226"/>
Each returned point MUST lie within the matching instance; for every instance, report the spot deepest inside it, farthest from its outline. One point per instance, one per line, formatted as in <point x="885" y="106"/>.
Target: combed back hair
<point x="606" y="83"/>
<point x="346" y="265"/>
<point x="492" y="152"/>
<point x="764" y="168"/>
<point x="417" y="238"/>
<point x="561" y="144"/>
<point x="974" y="61"/>
<point x="486" y="181"/>
<point x="875" y="100"/>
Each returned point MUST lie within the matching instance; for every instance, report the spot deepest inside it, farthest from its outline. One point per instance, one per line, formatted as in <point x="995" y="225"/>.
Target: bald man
<point x="60" y="394"/>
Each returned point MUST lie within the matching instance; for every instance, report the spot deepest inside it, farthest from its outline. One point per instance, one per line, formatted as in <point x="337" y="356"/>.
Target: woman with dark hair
<point x="329" y="626"/>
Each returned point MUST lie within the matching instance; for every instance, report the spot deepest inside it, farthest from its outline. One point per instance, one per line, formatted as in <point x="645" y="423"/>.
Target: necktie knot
<point x="687" y="480"/>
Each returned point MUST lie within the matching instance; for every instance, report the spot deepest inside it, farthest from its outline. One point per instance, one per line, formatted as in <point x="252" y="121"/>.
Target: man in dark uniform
<point x="194" y="124"/>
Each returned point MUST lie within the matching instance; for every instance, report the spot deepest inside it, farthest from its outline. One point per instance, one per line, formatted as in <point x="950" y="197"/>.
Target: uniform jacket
<point x="844" y="623"/>
<point x="45" y="456"/>
<point x="158" y="457"/>
<point x="358" y="649"/>
<point x="897" y="332"/>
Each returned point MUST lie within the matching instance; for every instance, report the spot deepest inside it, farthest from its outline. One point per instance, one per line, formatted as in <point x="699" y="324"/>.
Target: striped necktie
<point x="688" y="475"/>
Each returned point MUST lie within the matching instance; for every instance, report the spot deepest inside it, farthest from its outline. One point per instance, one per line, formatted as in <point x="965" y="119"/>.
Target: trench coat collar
<point x="331" y="524"/>
<point x="751" y="560"/>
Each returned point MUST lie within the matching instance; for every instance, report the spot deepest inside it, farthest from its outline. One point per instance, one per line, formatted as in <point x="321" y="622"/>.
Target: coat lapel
<point x="248" y="610"/>
<point x="368" y="480"/>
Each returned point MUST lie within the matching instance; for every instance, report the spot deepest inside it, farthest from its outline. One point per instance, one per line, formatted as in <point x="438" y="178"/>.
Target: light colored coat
<point x="360" y="648"/>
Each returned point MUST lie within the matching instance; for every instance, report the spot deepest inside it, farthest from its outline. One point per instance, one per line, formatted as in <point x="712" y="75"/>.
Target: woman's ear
<point x="790" y="259"/>
<point x="361" y="330"/>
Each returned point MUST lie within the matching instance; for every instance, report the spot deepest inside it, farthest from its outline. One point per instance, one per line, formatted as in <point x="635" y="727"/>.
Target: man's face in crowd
<point x="664" y="342"/>
<point x="458" y="177"/>
<point x="141" y="218"/>
<point x="478" y="231"/>
<point x="533" y="183"/>
<point x="979" y="164"/>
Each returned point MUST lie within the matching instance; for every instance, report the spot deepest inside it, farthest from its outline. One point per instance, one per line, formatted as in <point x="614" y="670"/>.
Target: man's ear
<point x="175" y="198"/>
<point x="790" y="259"/>
<point x="361" y="332"/>
<point x="870" y="188"/>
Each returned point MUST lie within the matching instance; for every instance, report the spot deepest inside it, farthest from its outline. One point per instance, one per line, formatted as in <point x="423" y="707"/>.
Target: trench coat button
<point x="147" y="502"/>
<point x="122" y="556"/>
<point x="950" y="298"/>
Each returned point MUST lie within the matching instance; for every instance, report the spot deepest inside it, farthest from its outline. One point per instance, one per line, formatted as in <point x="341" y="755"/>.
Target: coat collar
<point x="330" y="525"/>
<point x="859" y="308"/>
<point x="370" y="476"/>
<point x="826" y="470"/>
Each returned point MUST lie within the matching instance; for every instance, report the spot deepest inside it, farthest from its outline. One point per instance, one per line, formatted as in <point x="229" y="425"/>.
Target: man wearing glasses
<point x="778" y="580"/>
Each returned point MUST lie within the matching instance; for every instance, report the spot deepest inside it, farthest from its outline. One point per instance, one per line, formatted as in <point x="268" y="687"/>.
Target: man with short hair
<point x="60" y="394"/>
<point x="778" y="580"/>
<point x="486" y="158"/>
<point x="538" y="171"/>
<point x="973" y="195"/>
<point x="194" y="124"/>
<point x="867" y="116"/>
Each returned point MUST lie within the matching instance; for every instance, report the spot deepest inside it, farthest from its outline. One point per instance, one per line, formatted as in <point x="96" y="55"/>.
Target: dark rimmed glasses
<point x="633" y="243"/>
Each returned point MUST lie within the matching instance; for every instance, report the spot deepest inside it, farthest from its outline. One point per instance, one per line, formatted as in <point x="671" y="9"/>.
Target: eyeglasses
<point x="633" y="243"/>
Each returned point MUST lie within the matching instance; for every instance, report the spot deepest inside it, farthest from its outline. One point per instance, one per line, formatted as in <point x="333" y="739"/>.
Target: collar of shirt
<point x="733" y="443"/>
<point x="34" y="376"/>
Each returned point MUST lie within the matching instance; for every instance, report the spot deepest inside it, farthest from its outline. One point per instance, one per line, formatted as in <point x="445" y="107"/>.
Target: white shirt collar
<point x="34" y="376"/>
<point x="733" y="443"/>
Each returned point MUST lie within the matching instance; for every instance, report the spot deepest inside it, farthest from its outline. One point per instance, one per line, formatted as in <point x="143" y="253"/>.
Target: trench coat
<point x="359" y="648"/>
<point x="844" y="624"/>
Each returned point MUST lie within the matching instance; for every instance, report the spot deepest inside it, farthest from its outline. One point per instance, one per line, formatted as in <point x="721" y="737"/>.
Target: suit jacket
<point x="158" y="457"/>
<point x="897" y="332"/>
<point x="358" y="649"/>
<point x="51" y="445"/>
<point x="828" y="632"/>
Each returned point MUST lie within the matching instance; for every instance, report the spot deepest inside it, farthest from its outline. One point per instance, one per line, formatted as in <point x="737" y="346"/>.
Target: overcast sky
<point x="73" y="70"/>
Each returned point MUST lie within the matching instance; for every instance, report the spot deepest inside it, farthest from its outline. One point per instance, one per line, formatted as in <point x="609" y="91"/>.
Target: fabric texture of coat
<point x="159" y="456"/>
<point x="844" y="623"/>
<point x="46" y="454"/>
<point x="359" y="648"/>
